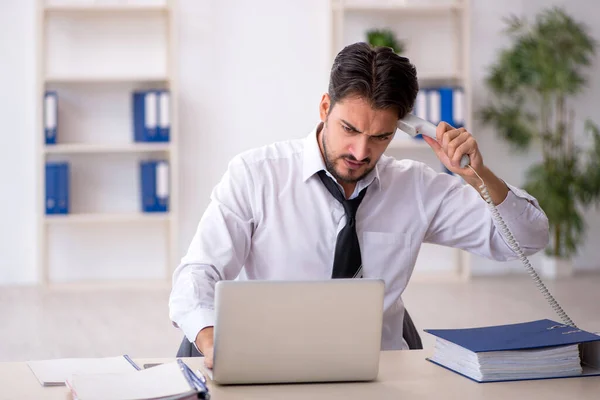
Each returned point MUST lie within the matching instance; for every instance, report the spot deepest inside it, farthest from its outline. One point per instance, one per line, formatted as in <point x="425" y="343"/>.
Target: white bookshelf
<point x="405" y="7"/>
<point x="107" y="218"/>
<point x="88" y="148"/>
<point x="83" y="78"/>
<point x="94" y="54"/>
<point x="83" y="6"/>
<point x="437" y="38"/>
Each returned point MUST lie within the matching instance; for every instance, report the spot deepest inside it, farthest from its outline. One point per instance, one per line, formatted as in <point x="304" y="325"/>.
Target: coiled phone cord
<point x="515" y="247"/>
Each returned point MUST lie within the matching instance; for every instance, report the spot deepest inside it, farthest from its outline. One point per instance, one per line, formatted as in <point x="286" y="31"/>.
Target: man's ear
<point x="324" y="106"/>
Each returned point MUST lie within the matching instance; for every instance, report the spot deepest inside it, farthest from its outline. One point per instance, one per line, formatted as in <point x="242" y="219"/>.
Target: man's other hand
<point x="205" y="343"/>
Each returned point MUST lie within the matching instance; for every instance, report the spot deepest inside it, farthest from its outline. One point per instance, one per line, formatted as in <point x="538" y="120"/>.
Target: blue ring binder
<point x="193" y="380"/>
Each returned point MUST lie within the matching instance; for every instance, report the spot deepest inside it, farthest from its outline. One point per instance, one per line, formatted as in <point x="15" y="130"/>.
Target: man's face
<point x="354" y="136"/>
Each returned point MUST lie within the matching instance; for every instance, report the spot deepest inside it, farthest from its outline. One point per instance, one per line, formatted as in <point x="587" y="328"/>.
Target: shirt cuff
<point x="195" y="321"/>
<point x="522" y="208"/>
<point x="516" y="202"/>
<point x="513" y="205"/>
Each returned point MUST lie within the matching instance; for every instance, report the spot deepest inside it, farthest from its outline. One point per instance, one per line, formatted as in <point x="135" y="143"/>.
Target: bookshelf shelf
<point x="83" y="148"/>
<point x="95" y="59"/>
<point x="57" y="79"/>
<point x="433" y="78"/>
<point x="403" y="7"/>
<point x="107" y="218"/>
<point x="78" y="6"/>
<point x="431" y="30"/>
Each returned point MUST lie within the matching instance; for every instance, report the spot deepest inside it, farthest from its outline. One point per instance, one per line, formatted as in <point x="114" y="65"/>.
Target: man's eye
<point x="347" y="129"/>
<point x="380" y="138"/>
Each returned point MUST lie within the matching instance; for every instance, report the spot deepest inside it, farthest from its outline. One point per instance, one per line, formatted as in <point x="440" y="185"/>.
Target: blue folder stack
<point x="57" y="188"/>
<point x="154" y="178"/>
<point x="151" y="115"/>
<point x="541" y="349"/>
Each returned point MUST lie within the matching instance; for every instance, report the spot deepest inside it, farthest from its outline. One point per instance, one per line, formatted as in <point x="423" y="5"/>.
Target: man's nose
<point x="360" y="147"/>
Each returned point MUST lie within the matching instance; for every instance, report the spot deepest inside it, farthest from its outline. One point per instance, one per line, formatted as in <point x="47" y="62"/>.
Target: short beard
<point x="329" y="164"/>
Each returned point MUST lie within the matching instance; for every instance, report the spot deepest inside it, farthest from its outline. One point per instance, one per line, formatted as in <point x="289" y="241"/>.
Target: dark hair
<point x="377" y="74"/>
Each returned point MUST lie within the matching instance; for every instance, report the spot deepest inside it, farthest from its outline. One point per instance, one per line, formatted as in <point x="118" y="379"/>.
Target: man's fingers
<point x="465" y="148"/>
<point x="441" y="129"/>
<point x="208" y="358"/>
<point x="434" y="145"/>
<point x="460" y="136"/>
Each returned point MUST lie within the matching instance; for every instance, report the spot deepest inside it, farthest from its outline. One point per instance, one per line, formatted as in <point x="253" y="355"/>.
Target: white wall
<point x="17" y="161"/>
<point x="243" y="83"/>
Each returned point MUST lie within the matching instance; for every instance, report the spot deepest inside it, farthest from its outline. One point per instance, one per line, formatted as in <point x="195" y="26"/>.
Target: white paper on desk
<point x="56" y="372"/>
<point x="153" y="383"/>
<point x="206" y="371"/>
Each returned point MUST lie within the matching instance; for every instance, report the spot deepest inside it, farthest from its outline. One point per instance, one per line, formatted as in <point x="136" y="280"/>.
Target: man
<point x="276" y="212"/>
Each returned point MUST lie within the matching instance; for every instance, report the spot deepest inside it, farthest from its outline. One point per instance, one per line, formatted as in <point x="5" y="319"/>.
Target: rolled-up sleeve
<point x="458" y="216"/>
<point x="525" y="218"/>
<point x="217" y="251"/>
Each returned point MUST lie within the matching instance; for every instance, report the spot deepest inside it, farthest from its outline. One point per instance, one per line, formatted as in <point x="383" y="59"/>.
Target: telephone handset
<point x="413" y="126"/>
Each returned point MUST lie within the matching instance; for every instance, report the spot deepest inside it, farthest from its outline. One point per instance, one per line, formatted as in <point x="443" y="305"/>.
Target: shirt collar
<point x="313" y="162"/>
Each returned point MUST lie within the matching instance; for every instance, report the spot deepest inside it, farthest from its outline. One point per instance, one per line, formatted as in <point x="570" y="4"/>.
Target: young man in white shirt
<point x="275" y="214"/>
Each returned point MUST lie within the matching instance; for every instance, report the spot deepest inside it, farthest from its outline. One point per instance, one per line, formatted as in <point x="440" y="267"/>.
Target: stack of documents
<point x="120" y="378"/>
<point x="532" y="350"/>
<point x="168" y="381"/>
<point x="56" y="372"/>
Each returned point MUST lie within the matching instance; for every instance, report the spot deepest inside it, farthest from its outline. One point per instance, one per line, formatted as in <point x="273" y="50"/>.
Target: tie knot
<point x="350" y="206"/>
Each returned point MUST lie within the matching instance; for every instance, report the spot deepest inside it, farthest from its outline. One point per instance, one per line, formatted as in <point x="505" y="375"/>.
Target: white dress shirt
<point x="272" y="216"/>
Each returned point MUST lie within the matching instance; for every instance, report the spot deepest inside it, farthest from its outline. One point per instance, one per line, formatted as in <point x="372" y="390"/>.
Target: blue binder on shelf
<point x="452" y="106"/>
<point x="522" y="351"/>
<point x="50" y="116"/>
<point x="434" y="112"/>
<point x="444" y="103"/>
<point x="154" y="178"/>
<point x="57" y="188"/>
<point x="145" y="116"/>
<point x="164" y="115"/>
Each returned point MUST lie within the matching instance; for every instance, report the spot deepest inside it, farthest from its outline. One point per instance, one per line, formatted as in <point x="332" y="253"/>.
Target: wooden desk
<point x="402" y="375"/>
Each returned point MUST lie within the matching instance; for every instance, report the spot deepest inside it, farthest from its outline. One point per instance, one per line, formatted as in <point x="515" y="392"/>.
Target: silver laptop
<point x="297" y="331"/>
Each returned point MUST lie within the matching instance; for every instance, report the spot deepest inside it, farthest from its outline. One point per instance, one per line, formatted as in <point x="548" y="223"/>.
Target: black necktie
<point x="347" y="261"/>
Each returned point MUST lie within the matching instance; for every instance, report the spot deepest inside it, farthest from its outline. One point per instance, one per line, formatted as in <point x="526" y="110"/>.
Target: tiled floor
<point x="84" y="322"/>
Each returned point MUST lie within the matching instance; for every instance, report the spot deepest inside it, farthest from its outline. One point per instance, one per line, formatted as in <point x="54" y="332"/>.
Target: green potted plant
<point x="385" y="37"/>
<point x="533" y="83"/>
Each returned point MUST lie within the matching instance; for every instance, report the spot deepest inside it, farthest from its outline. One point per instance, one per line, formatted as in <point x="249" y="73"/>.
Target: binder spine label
<point x="50" y="117"/>
<point x="162" y="180"/>
<point x="151" y="115"/>
<point x="150" y="110"/>
<point x="434" y="106"/>
<point x="458" y="106"/>
<point x="164" y="110"/>
<point x="421" y="105"/>
<point x="154" y="176"/>
<point x="164" y="121"/>
<point x="162" y="185"/>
